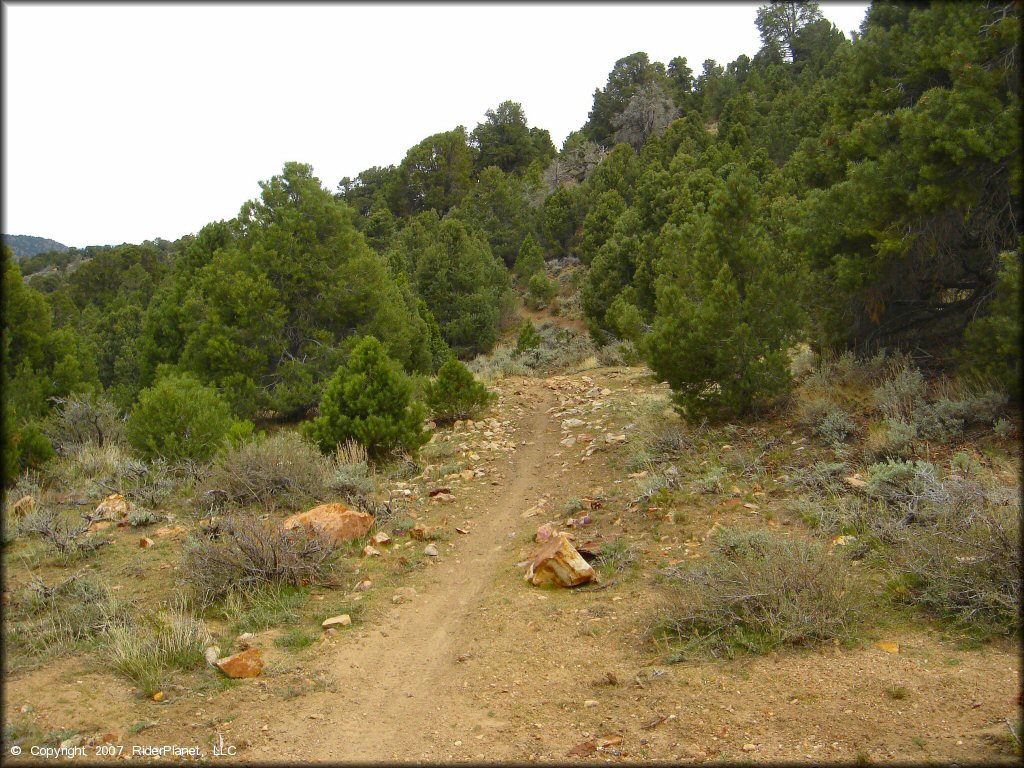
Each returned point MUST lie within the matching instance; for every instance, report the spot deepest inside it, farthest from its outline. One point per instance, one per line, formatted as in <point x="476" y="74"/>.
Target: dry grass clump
<point x="149" y="648"/>
<point x="352" y="474"/>
<point x="246" y="554"/>
<point x="756" y="591"/>
<point x="660" y="435"/>
<point x="45" y="619"/>
<point x="283" y="469"/>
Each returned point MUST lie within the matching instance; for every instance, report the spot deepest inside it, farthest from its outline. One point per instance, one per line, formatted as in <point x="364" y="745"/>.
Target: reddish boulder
<point x="245" y="664"/>
<point x="335" y="523"/>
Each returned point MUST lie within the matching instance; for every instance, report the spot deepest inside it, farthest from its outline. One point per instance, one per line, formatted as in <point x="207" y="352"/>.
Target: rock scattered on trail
<point x="442" y="498"/>
<point x="146" y="542"/>
<point x="380" y="538"/>
<point x="248" y="663"/>
<point x="557" y="562"/>
<point x="370" y="551"/>
<point x="344" y="620"/>
<point x="334" y="523"/>
<point x="430" y="550"/>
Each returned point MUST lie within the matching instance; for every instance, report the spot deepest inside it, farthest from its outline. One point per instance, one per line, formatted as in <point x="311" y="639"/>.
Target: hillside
<point x="23" y="246"/>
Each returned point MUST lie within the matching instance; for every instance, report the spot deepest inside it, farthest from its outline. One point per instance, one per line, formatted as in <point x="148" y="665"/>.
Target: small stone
<point x="380" y="538"/>
<point x="443" y="498"/>
<point x="245" y="640"/>
<point x="146" y="542"/>
<point x="418" y="532"/>
<point x="331" y="632"/>
<point x="567" y="442"/>
<point x="544" y="533"/>
<point x="344" y="620"/>
<point x="591" y="703"/>
<point x="467" y="474"/>
<point x="73" y="742"/>
<point x="370" y="551"/>
<point x="364" y="585"/>
<point x="430" y="550"/>
<point x="158" y="696"/>
<point x="402" y="595"/>
<point x="749" y="747"/>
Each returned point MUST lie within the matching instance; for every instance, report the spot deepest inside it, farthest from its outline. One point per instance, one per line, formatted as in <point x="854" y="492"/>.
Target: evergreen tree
<point x="369" y="399"/>
<point x="455" y="394"/>
<point x="530" y="259"/>
<point x="464" y="287"/>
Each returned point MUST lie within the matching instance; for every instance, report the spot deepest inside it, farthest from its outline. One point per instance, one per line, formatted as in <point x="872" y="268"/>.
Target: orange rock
<point x="418" y="532"/>
<point x="169" y="530"/>
<point x="23" y="506"/>
<point x="334" y="523"/>
<point x="245" y="664"/>
<point x="146" y="542"/>
<point x="114" y="506"/>
<point x="557" y="562"/>
<point x="99" y="525"/>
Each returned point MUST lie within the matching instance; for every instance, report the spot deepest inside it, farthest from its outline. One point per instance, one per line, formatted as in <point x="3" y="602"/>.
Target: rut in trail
<point x="381" y="700"/>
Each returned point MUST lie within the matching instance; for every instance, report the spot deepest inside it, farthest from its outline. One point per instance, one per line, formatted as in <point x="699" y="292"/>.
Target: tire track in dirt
<point x="380" y="703"/>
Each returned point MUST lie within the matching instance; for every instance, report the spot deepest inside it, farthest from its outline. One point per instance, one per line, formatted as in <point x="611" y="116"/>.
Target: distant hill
<point x="23" y="246"/>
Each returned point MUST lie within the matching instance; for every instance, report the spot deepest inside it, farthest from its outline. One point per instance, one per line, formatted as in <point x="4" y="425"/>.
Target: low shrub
<point x="283" y="469"/>
<point x="179" y="418"/>
<point x="755" y="591"/>
<point x="455" y="394"/>
<point x="248" y="553"/>
<point x="69" y="538"/>
<point x="965" y="568"/>
<point x="835" y="426"/>
<point x="81" y="419"/>
<point x="619" y="352"/>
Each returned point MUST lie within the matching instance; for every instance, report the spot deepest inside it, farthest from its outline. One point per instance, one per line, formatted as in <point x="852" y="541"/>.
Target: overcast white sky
<point x="124" y="123"/>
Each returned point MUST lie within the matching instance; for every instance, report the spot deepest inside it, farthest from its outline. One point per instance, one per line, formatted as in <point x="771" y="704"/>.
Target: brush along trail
<point x="455" y="657"/>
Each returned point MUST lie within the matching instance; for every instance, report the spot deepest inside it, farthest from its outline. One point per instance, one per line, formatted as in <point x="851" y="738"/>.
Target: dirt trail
<point x="380" y="703"/>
